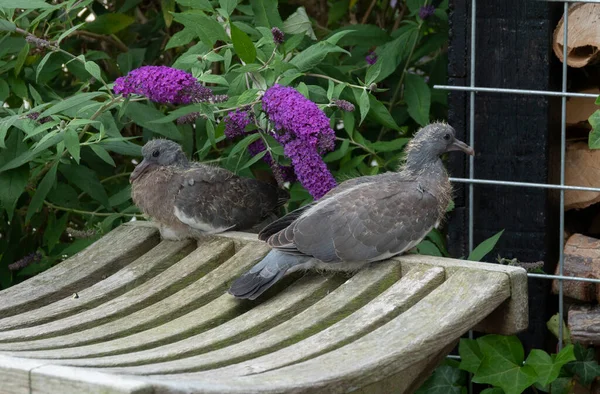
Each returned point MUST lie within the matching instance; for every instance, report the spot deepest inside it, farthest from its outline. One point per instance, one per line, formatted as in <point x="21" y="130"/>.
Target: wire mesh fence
<point x="472" y="182"/>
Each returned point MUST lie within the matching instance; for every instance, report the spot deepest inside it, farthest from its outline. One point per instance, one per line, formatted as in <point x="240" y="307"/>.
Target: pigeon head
<point x="159" y="152"/>
<point x="432" y="141"/>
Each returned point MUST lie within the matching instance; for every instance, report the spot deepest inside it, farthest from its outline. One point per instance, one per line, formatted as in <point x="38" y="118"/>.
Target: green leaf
<point x="94" y="70"/>
<point x="389" y="146"/>
<point x="339" y="153"/>
<point x="492" y="390"/>
<point x="313" y="55"/>
<point x="484" y="248"/>
<point x="7" y="25"/>
<point x="103" y="154"/>
<point x="428" y="248"/>
<point x="208" y="29"/>
<point x="181" y="38"/>
<point x="242" y="45"/>
<point x="25" y="4"/>
<point x="21" y="59"/>
<point x="418" y="98"/>
<point x="131" y="59"/>
<point x="470" y="355"/>
<point x="364" y="104"/>
<point x="144" y="115"/>
<point x="548" y="367"/>
<point x="109" y="23"/>
<point x="12" y="185"/>
<point x="562" y="385"/>
<point x="349" y="123"/>
<point x="86" y="180"/>
<point x="167" y="7"/>
<point x="444" y="380"/>
<point x="71" y="140"/>
<point x="502" y="364"/>
<point x="553" y="327"/>
<point x="243" y="144"/>
<point x="247" y="97"/>
<point x="54" y="230"/>
<point x="121" y="196"/>
<point x="266" y="13"/>
<point x="42" y="191"/>
<point x="66" y="33"/>
<point x="361" y="34"/>
<point x="41" y="65"/>
<point x="381" y="115"/>
<point x="334" y="38"/>
<point x="437" y="238"/>
<point x="70" y="102"/>
<point x="393" y="53"/>
<point x="228" y="5"/>
<point x="594" y="137"/>
<point x="372" y="73"/>
<point x="299" y="23"/>
<point x="197" y="4"/>
<point x="4" y="90"/>
<point x="253" y="160"/>
<point x="585" y="366"/>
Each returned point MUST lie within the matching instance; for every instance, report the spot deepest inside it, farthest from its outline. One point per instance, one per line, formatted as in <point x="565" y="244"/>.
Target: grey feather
<point x="188" y="199"/>
<point x="365" y="219"/>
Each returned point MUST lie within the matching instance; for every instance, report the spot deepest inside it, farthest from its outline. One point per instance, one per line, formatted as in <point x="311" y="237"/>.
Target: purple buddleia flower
<point x="236" y="122"/>
<point x="305" y="134"/>
<point x="344" y="105"/>
<point x="189" y="118"/>
<point x="393" y="3"/>
<point x="371" y="58"/>
<point x="426" y="11"/>
<point x="164" y="85"/>
<point x="35" y="116"/>
<point x="25" y="261"/>
<point x="278" y="37"/>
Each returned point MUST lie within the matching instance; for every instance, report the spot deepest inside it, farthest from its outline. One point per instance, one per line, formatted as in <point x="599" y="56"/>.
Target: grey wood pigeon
<point x="362" y="220"/>
<point x="189" y="199"/>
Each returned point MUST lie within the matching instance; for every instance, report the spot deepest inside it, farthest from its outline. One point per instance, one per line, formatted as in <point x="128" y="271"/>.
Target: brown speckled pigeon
<point x="189" y="199"/>
<point x="365" y="219"/>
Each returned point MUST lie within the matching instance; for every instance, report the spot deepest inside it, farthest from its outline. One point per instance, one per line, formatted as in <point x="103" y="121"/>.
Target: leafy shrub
<point x="68" y="142"/>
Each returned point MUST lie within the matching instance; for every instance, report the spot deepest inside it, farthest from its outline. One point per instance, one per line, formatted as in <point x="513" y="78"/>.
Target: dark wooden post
<point x="517" y="137"/>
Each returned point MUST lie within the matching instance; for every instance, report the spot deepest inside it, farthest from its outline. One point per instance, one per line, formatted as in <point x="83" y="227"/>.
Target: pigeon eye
<point x="447" y="136"/>
<point x="156" y="153"/>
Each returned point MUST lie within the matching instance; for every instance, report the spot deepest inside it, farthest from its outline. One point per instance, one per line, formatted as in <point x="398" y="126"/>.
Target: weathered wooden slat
<point x="113" y="251"/>
<point x="268" y="314"/>
<point x="409" y="338"/>
<point x="509" y="318"/>
<point x="15" y="374"/>
<point x="154" y="316"/>
<point x="150" y="264"/>
<point x="402" y="295"/>
<point x="174" y="278"/>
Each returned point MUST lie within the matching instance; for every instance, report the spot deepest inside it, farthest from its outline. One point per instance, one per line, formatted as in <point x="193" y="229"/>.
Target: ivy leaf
<point x="585" y="366"/>
<point x="470" y="355"/>
<point x="493" y="390"/>
<point x="594" y="137"/>
<point x="444" y="380"/>
<point x="418" y="98"/>
<point x="548" y="367"/>
<point x="484" y="248"/>
<point x="502" y="364"/>
<point x="242" y="45"/>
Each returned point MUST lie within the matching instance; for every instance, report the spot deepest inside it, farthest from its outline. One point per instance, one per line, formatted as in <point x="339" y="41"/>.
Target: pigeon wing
<point x="213" y="199"/>
<point x="364" y="224"/>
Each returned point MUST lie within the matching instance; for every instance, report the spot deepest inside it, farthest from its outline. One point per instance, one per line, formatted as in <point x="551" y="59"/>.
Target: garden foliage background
<point x="68" y="142"/>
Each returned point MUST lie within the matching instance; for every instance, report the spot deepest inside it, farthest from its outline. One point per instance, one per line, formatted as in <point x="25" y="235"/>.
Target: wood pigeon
<point x="189" y="199"/>
<point x="365" y="219"/>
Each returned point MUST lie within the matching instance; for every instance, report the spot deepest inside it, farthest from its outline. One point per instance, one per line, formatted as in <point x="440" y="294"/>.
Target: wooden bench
<point x="132" y="314"/>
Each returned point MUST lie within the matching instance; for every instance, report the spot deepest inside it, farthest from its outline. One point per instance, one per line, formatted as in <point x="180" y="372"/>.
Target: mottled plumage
<point x="365" y="219"/>
<point x="188" y="199"/>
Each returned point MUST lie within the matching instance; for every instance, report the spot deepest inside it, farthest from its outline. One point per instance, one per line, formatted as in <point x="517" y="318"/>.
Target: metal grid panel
<point x="471" y="181"/>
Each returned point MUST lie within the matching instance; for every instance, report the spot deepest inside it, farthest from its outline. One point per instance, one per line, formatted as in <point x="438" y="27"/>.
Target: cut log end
<point x="583" y="47"/>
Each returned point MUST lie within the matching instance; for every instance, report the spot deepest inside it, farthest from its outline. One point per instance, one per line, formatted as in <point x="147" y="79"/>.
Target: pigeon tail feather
<point x="265" y="274"/>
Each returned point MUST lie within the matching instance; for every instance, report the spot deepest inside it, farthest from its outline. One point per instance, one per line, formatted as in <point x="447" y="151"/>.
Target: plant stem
<point x="366" y="16"/>
<point x="103" y="214"/>
<point x="109" y="39"/>
<point x="110" y="178"/>
<point x="335" y="80"/>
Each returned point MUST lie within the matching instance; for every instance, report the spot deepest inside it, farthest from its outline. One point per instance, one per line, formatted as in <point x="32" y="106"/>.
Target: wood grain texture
<point x="113" y="251"/>
<point x="163" y="323"/>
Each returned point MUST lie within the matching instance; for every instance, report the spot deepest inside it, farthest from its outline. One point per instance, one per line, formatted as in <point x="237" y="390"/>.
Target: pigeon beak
<point x="459" y="145"/>
<point x="138" y="171"/>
